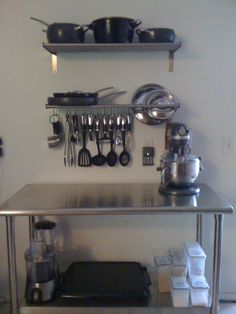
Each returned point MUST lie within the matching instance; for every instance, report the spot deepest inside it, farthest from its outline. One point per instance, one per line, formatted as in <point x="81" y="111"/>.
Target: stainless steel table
<point x="111" y="199"/>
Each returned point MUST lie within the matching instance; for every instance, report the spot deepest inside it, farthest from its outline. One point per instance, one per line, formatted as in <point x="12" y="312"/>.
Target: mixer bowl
<point x="180" y="173"/>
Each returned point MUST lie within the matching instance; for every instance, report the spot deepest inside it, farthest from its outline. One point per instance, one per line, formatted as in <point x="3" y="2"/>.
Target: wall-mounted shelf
<point x="124" y="106"/>
<point x="54" y="49"/>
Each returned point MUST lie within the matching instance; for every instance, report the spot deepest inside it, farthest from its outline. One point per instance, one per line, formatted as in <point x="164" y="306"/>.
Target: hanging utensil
<point x="67" y="142"/>
<point x="105" y="127"/>
<point x="99" y="159"/>
<point x="75" y="134"/>
<point x="90" y="125"/>
<point x="111" y="156"/>
<point x="124" y="156"/>
<point x="57" y="138"/>
<point x="84" y="156"/>
<point x="129" y="128"/>
<point x="118" y="139"/>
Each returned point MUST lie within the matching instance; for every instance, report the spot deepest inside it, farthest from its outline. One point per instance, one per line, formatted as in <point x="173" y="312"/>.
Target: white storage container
<point x="163" y="273"/>
<point x="175" y="251"/>
<point x="196" y="258"/>
<point x="179" y="292"/>
<point x="179" y="265"/>
<point x="199" y="289"/>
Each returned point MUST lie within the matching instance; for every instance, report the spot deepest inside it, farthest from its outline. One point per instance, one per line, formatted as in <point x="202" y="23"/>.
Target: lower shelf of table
<point x="158" y="303"/>
<point x="107" y="310"/>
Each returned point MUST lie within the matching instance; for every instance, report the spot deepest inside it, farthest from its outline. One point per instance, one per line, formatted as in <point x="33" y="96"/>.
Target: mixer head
<point x="178" y="138"/>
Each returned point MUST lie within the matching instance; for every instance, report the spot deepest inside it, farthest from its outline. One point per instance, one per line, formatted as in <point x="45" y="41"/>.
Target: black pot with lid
<point x="114" y="29"/>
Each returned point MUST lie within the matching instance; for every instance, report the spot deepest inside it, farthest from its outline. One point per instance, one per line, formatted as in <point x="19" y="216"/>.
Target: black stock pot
<point x="114" y="29"/>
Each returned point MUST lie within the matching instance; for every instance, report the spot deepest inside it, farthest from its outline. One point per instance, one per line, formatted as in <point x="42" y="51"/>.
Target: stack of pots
<point x="106" y="30"/>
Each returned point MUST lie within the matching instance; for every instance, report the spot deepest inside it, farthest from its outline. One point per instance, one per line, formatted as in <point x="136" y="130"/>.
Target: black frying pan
<point x="78" y="98"/>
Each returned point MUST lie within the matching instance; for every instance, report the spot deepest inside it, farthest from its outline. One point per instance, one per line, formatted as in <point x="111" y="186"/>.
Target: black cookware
<point x="114" y="29"/>
<point x="105" y="280"/>
<point x="156" y="35"/>
<point x="99" y="159"/>
<point x="78" y="98"/>
<point x="64" y="32"/>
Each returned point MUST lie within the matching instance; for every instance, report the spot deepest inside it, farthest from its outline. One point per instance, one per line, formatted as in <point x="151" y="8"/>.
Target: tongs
<point x="68" y="151"/>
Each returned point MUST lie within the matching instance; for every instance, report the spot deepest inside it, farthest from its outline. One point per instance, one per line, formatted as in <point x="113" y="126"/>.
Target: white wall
<point x="204" y="81"/>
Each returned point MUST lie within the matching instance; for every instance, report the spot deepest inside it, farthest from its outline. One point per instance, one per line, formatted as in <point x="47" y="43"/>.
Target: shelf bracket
<point x="54" y="63"/>
<point x="171" y="61"/>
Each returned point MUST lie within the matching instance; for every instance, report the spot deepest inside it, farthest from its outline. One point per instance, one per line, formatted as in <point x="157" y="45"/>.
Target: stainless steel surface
<point x="224" y="309"/>
<point x="100" y="199"/>
<point x="156" y="96"/>
<point x="170" y="47"/>
<point x="31" y="227"/>
<point x="218" y="239"/>
<point x="158" y="303"/>
<point x="12" y="272"/>
<point x="111" y="105"/>
<point x="199" y="229"/>
<point x="45" y="289"/>
<point x="180" y="172"/>
<point x="55" y="48"/>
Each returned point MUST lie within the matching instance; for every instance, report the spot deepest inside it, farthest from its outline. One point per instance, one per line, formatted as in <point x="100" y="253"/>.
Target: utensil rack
<point x="54" y="49"/>
<point x="114" y="106"/>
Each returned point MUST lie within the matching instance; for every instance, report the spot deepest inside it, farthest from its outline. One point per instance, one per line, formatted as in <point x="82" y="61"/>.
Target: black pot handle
<point x="38" y="20"/>
<point x="139" y="31"/>
<point x="85" y="28"/>
<point x="91" y="26"/>
<point x="135" y="23"/>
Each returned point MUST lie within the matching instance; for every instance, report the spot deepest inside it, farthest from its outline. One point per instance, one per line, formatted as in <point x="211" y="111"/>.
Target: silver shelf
<point x="171" y="48"/>
<point x="95" y="47"/>
<point x="157" y="301"/>
<point x="109" y="199"/>
<point x="123" y="106"/>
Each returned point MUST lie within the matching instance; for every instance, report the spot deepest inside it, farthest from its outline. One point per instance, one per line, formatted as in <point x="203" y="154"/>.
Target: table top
<point x="109" y="199"/>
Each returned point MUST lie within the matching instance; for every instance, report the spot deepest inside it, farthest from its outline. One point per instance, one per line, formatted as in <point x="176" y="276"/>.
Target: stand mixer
<point x="179" y="168"/>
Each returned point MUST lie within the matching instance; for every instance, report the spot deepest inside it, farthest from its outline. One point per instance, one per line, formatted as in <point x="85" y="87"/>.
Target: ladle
<point x="124" y="156"/>
<point x="111" y="156"/>
<point x="99" y="159"/>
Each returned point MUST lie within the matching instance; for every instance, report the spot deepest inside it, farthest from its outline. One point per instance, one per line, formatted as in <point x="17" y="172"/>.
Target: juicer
<point x="41" y="265"/>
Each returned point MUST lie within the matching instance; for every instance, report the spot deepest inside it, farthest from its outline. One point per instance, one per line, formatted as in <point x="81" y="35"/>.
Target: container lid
<point x="198" y="282"/>
<point x="162" y="260"/>
<point x="193" y="249"/>
<point x="179" y="260"/>
<point x="179" y="282"/>
<point x="175" y="251"/>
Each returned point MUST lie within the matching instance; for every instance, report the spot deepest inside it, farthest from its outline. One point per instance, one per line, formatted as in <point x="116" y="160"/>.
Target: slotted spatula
<point x="84" y="156"/>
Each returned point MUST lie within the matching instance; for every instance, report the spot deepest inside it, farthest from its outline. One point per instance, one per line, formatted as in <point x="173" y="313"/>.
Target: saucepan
<point x="64" y="32"/>
<point x="156" y="35"/>
<point x="114" y="29"/>
<point x="79" y="98"/>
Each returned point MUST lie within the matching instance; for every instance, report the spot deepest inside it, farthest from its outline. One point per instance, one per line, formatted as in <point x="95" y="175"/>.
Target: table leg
<point x="10" y="228"/>
<point x="31" y="227"/>
<point x="199" y="229"/>
<point x="218" y="237"/>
